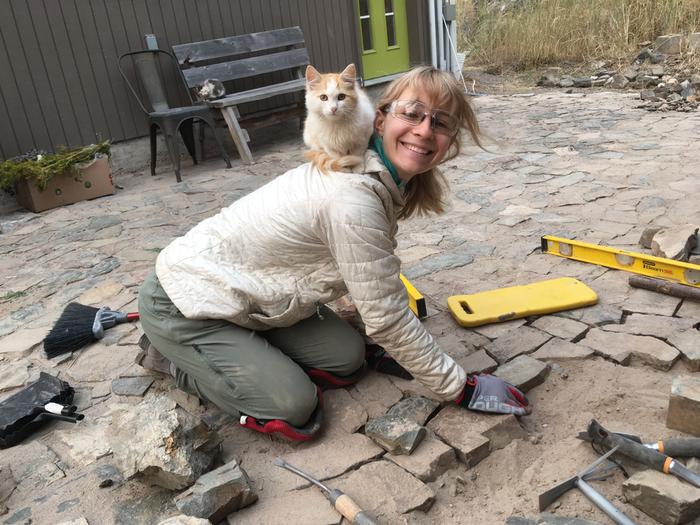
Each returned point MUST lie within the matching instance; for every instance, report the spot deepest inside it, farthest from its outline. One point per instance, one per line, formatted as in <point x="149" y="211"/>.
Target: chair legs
<point x="170" y="130"/>
<point x="154" y="129"/>
<point x="212" y="124"/>
<point x="187" y="133"/>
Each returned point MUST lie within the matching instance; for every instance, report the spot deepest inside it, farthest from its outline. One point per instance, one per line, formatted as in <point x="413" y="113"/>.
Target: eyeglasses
<point x="414" y="112"/>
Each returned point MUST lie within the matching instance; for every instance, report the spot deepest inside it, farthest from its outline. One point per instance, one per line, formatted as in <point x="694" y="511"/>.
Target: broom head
<point x="74" y="329"/>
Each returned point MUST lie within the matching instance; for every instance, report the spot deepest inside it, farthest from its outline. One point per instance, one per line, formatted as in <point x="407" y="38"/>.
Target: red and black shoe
<point x="285" y="430"/>
<point x="328" y="380"/>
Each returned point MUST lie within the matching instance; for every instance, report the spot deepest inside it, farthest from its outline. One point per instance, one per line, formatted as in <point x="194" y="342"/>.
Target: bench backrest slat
<point x="196" y="53"/>
<point x="247" y="67"/>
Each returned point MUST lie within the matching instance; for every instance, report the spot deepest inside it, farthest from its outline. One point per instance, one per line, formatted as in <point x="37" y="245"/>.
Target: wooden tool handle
<point x="350" y="510"/>
<point x="665" y="287"/>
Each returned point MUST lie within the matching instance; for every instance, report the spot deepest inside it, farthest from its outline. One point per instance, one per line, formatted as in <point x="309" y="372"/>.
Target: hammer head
<point x="549" y="497"/>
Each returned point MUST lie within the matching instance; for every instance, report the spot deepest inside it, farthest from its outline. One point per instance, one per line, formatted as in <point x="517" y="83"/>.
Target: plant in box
<point x="46" y="180"/>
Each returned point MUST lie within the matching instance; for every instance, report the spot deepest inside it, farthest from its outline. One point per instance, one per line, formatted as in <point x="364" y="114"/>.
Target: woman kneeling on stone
<point x="235" y="309"/>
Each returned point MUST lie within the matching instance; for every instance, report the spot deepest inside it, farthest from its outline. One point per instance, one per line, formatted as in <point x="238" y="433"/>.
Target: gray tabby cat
<point x="211" y="89"/>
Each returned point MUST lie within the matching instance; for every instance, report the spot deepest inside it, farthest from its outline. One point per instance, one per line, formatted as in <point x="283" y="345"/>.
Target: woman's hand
<point x="487" y="393"/>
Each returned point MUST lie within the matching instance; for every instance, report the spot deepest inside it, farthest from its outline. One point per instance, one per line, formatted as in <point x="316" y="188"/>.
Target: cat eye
<point x="324" y="97"/>
<point x="341" y="96"/>
<point x="415" y="112"/>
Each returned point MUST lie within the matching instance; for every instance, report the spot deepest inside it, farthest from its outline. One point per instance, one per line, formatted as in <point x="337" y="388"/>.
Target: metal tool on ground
<point x="416" y="301"/>
<point x="667" y="269"/>
<point x="504" y="304"/>
<point x="595" y="471"/>
<point x="80" y="325"/>
<point x="341" y="502"/>
<point x="665" y="287"/>
<point x="674" y="447"/>
<point x="639" y="453"/>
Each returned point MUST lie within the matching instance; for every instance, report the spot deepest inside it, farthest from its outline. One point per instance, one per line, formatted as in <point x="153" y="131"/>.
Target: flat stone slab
<point x="646" y="302"/>
<point x="131" y="386"/>
<point x="340" y="453"/>
<point x="453" y="426"/>
<point x="665" y="498"/>
<point x="342" y="412"/>
<point x="622" y="347"/>
<point x="499" y="429"/>
<point x="429" y="461"/>
<point x="479" y="362"/>
<point x="385" y="490"/>
<point x="184" y="520"/>
<point x="684" y="405"/>
<point x="395" y="433"/>
<point x="560" y="326"/>
<point x="376" y="393"/>
<point x="296" y="506"/>
<point x="22" y="342"/>
<point x="524" y="340"/>
<point x="549" y="519"/>
<point x="98" y="362"/>
<point x="559" y="350"/>
<point x="688" y="344"/>
<point x="415" y="408"/>
<point x="655" y="325"/>
<point x="524" y="371"/>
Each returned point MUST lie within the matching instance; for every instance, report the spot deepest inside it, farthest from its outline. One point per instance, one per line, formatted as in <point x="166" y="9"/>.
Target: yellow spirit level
<point x="416" y="301"/>
<point x="659" y="267"/>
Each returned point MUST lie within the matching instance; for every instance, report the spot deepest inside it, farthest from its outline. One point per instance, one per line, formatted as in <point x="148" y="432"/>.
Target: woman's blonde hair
<point x="425" y="192"/>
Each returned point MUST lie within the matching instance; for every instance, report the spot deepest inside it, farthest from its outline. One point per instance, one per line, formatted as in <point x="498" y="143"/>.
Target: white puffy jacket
<point x="305" y="239"/>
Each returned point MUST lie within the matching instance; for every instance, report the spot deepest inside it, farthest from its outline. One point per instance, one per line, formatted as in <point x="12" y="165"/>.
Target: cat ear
<point x="349" y="74"/>
<point x="312" y="74"/>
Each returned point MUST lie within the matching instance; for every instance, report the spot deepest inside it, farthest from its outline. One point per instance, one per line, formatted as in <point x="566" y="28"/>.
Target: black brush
<point x="80" y="325"/>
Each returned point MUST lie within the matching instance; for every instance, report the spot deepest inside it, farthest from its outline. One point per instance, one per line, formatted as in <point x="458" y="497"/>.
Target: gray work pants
<point x="244" y="371"/>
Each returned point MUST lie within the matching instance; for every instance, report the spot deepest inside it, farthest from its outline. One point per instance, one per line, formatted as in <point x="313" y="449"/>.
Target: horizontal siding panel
<point x="61" y="85"/>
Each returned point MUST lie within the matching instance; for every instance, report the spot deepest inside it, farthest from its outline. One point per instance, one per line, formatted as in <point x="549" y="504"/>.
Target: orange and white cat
<point x="339" y="122"/>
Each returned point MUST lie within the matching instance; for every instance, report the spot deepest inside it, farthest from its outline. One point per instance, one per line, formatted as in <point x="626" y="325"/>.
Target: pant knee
<point x="353" y="353"/>
<point x="296" y="409"/>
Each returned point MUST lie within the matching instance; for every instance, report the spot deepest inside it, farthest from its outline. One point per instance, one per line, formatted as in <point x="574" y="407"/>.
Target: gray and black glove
<point x="486" y="393"/>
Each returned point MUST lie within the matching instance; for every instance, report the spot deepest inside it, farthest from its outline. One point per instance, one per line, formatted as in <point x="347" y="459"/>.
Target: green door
<point x="383" y="37"/>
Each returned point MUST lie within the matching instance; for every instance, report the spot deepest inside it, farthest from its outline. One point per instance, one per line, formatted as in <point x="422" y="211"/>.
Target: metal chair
<point x="160" y="113"/>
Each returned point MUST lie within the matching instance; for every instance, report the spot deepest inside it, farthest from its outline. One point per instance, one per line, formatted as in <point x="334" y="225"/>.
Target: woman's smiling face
<point x="412" y="149"/>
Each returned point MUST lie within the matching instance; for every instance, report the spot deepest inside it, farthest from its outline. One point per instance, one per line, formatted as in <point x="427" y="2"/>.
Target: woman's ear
<point x="379" y="120"/>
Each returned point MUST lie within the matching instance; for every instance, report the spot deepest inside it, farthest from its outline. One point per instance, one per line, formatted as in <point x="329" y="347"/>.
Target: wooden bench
<point x="257" y="57"/>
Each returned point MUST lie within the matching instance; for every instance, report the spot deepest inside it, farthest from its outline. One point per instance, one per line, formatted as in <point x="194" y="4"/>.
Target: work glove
<point x="486" y="393"/>
<point x="379" y="360"/>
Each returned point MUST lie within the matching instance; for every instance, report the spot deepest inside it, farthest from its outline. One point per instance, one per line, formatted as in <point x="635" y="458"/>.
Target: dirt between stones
<point x="509" y="481"/>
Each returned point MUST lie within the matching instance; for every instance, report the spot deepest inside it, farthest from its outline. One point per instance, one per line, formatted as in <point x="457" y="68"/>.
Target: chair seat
<point x="186" y="111"/>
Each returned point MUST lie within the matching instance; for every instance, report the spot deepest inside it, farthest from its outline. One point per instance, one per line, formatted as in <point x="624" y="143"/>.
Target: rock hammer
<point x="579" y="481"/>
<point x="343" y="503"/>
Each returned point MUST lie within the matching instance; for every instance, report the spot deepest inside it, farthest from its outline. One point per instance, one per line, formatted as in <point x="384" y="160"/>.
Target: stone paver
<point x="524" y="371"/>
<point x="522" y="341"/>
<point x="429" y="461"/>
<point x="559" y="350"/>
<point x="665" y="498"/>
<point x="622" y="347"/>
<point x="560" y="326"/>
<point x="684" y="405"/>
<point x="591" y="168"/>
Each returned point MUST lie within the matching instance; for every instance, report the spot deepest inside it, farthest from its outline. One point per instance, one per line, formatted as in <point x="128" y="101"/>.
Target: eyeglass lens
<point x="415" y="112"/>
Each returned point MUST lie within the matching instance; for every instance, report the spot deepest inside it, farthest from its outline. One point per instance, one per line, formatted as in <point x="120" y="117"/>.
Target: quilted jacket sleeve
<point x="356" y="230"/>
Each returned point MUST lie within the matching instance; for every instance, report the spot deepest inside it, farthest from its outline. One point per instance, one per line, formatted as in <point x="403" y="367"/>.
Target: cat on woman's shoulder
<point x="339" y="122"/>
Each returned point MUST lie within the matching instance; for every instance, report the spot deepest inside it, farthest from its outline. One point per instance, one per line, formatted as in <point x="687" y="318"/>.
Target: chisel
<point x="341" y="502"/>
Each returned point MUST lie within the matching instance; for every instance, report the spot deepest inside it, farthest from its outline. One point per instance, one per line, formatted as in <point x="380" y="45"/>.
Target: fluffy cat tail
<point x="324" y="162"/>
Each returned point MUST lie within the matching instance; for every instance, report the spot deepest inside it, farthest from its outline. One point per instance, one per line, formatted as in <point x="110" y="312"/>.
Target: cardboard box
<point x="91" y="180"/>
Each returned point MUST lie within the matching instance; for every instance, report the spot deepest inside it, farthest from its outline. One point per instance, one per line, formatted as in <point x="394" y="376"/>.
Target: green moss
<point x="13" y="295"/>
<point x="40" y="170"/>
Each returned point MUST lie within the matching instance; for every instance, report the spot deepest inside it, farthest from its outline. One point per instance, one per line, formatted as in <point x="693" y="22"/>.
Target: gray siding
<point x="418" y="31"/>
<point x="59" y="82"/>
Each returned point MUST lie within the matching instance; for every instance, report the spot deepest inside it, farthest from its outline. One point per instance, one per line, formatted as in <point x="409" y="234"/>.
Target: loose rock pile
<point x="660" y="71"/>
